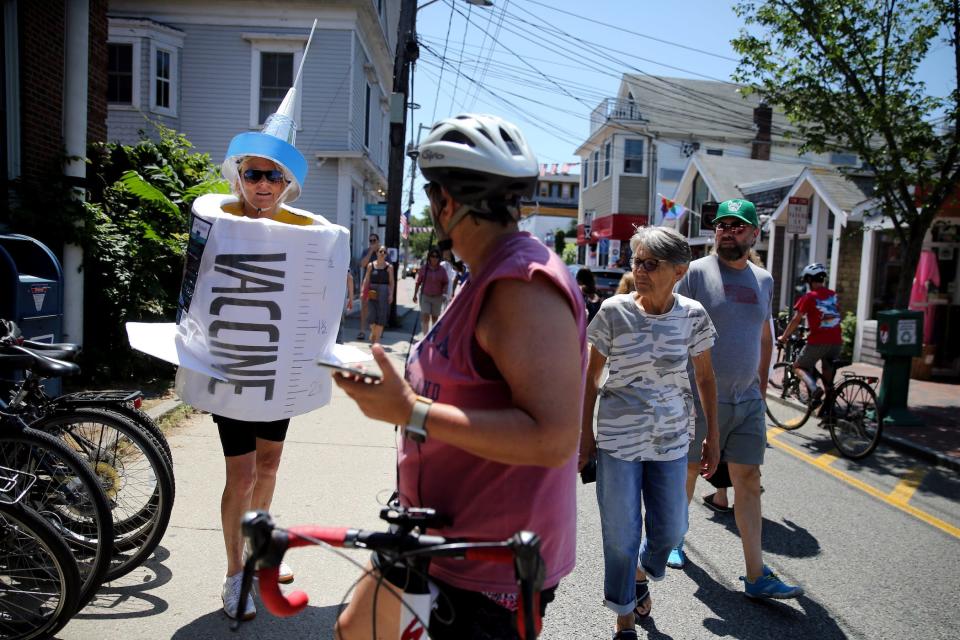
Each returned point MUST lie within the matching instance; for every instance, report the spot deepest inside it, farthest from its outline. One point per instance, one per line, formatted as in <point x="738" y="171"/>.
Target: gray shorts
<point x="814" y="353"/>
<point x="743" y="433"/>
<point x="431" y="305"/>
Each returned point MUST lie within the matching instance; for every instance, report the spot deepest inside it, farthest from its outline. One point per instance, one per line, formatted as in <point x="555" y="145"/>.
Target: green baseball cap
<point x="738" y="208"/>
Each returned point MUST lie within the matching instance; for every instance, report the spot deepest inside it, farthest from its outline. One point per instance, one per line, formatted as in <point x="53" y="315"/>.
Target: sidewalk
<point x="938" y="405"/>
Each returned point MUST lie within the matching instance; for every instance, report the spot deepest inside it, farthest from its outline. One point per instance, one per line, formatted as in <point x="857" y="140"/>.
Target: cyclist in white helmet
<point x="824" y="339"/>
<point x="491" y="397"/>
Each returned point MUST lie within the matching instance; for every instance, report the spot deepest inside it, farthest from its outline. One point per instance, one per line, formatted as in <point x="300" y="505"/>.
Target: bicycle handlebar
<point x="269" y="544"/>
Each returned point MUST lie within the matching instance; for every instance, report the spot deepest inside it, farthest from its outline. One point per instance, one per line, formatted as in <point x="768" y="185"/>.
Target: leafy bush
<point x="133" y="230"/>
<point x="848" y="329"/>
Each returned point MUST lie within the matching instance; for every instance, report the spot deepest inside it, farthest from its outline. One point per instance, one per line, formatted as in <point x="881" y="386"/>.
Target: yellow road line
<point x="863" y="486"/>
<point x="827" y="459"/>
<point x="907" y="485"/>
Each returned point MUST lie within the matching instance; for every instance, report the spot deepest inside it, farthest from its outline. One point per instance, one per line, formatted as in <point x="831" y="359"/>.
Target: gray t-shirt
<point x="644" y="409"/>
<point x="739" y="302"/>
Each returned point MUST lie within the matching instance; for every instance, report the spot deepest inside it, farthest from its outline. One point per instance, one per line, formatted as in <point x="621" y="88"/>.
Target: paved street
<point x="877" y="556"/>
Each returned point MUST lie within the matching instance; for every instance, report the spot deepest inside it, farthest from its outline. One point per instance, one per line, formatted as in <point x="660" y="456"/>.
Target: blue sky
<point x="543" y="69"/>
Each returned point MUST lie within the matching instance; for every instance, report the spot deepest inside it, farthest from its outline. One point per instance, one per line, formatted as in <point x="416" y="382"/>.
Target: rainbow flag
<point x="671" y="210"/>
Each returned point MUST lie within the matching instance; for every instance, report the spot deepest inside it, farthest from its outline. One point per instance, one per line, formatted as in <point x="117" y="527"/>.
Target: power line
<point x="446" y="40"/>
<point x="635" y="33"/>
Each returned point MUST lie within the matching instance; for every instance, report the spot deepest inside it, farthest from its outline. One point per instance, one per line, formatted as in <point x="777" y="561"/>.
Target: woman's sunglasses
<point x="649" y="265"/>
<point x="254" y="176"/>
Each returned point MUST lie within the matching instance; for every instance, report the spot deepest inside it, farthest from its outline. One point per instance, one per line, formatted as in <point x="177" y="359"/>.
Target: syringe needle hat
<point x="274" y="143"/>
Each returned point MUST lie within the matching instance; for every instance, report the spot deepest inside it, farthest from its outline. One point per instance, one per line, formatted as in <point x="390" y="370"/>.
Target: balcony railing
<point x="614" y="109"/>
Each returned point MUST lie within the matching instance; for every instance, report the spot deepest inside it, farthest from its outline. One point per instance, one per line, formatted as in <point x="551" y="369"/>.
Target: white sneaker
<point x="231" y="598"/>
<point x="286" y="573"/>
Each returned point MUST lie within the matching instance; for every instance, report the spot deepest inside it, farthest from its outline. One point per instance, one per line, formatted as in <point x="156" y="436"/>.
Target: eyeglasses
<point x="648" y="264"/>
<point x="383" y="251"/>
<point x="736" y="227"/>
<point x="434" y="255"/>
<point x="254" y="176"/>
<point x="372" y="240"/>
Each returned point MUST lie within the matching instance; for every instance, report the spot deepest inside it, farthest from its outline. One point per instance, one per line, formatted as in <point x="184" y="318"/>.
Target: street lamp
<point x="407" y="53"/>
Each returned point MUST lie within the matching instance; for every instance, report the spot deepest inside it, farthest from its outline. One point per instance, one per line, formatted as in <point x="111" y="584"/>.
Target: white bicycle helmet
<point x="813" y="270"/>
<point x="479" y="157"/>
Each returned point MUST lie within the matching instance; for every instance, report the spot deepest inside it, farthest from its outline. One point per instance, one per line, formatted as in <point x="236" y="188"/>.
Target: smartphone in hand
<point x="370" y="377"/>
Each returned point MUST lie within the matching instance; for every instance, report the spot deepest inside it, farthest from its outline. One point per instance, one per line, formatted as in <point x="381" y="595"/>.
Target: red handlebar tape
<point x="273" y="599"/>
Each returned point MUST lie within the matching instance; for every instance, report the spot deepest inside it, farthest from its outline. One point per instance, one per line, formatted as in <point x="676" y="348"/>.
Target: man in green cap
<point x="738" y="296"/>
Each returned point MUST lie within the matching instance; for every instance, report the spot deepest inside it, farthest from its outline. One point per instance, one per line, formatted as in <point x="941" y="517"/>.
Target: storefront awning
<point x="619" y="226"/>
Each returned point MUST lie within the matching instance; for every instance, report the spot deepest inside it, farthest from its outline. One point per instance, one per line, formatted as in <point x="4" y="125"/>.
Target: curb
<point x="164" y="408"/>
<point x="933" y="456"/>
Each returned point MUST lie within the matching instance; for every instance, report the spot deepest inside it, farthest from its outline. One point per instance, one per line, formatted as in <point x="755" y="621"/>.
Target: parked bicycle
<point x="850" y="410"/>
<point x="39" y="577"/>
<point x="127" y="456"/>
<point x="405" y="547"/>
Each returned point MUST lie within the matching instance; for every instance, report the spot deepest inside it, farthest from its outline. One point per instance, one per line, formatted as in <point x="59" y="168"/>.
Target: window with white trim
<point x="584" y="168"/>
<point x="274" y="60"/>
<point x="606" y="159"/>
<point x="163" y="79"/>
<point x="633" y="156"/>
<point x="596" y="166"/>
<point x="123" y="72"/>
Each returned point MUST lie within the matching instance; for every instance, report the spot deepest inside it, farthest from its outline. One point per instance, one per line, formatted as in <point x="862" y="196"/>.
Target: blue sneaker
<point x="769" y="585"/>
<point x="677" y="558"/>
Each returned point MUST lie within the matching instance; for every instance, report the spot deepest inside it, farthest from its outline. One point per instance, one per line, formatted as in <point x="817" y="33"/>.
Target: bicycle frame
<point x="403" y="545"/>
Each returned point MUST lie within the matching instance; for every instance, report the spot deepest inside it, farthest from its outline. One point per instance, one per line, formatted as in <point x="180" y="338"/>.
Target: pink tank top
<point x="485" y="499"/>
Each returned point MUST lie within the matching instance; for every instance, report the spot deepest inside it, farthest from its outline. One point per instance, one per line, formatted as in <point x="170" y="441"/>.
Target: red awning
<point x="618" y="226"/>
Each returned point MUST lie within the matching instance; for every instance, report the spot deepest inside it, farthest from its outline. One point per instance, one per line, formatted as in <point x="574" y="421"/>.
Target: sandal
<point x="708" y="500"/>
<point x="643" y="595"/>
<point x="625" y="634"/>
<point x="361" y="336"/>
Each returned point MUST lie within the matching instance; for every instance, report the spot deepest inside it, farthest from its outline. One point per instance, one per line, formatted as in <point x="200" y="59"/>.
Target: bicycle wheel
<point x="790" y="408"/>
<point x="132" y="471"/>
<point x="145" y="422"/>
<point x="855" y="421"/>
<point x="39" y="578"/>
<point x="68" y="495"/>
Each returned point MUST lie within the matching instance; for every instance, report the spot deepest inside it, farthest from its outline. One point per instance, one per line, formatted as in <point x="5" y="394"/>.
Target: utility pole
<point x="407" y="53"/>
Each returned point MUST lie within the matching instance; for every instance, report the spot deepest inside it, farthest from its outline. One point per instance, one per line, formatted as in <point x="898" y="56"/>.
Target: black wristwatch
<point x="416" y="428"/>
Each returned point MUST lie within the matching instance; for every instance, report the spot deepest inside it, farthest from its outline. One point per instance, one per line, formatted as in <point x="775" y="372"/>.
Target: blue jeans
<point x="621" y="486"/>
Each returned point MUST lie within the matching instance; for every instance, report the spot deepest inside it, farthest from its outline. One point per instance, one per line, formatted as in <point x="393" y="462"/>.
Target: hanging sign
<point x="797" y="216"/>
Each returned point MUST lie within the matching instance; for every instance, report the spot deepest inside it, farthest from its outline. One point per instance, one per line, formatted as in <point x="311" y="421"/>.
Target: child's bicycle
<point x="403" y="546"/>
<point x="852" y="413"/>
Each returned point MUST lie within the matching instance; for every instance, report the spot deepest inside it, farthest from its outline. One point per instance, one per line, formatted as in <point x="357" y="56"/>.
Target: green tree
<point x="420" y="242"/>
<point x="559" y="241"/>
<point x="845" y="73"/>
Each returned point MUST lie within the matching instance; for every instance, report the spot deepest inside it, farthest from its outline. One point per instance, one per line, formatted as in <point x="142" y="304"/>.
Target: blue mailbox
<point x="32" y="284"/>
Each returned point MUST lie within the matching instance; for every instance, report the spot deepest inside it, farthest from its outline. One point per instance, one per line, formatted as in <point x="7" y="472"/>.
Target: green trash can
<point x="899" y="340"/>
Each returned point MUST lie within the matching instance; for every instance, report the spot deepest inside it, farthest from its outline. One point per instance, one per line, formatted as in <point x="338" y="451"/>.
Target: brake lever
<point x="257" y="528"/>
<point x="530" y="573"/>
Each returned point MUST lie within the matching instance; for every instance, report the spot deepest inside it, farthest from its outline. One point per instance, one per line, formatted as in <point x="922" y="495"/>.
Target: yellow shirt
<point x="282" y="215"/>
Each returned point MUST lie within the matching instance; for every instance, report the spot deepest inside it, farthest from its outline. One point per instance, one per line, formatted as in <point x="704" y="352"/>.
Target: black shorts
<point x="239" y="437"/>
<point x="465" y="615"/>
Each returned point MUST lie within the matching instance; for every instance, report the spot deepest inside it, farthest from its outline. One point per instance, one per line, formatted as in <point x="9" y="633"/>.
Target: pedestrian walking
<point x="738" y="296"/>
<point x="490" y="439"/>
<point x="378" y="282"/>
<point x="432" y="284"/>
<point x="643" y="424"/>
<point x="369" y="254"/>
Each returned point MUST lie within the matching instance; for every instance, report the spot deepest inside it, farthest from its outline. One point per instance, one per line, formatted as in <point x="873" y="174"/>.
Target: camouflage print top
<point x="645" y="404"/>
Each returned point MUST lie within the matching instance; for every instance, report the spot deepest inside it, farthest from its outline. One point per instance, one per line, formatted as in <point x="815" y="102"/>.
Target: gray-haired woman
<point x="644" y="421"/>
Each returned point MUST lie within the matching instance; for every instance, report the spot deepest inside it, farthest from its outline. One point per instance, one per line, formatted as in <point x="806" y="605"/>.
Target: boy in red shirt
<point x="824" y="340"/>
